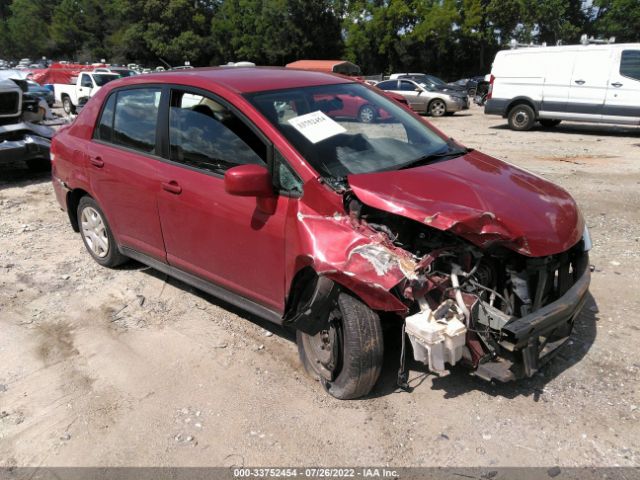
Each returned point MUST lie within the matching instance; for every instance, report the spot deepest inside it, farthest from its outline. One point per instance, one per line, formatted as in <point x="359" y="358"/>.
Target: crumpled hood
<point x="481" y="199"/>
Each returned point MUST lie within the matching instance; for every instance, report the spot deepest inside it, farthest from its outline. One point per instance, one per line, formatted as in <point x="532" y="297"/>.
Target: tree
<point x="275" y="32"/>
<point x="28" y="27"/>
<point x="618" y="18"/>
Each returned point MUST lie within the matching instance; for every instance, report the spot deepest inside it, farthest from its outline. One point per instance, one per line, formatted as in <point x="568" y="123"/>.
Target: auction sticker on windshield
<point x="316" y="126"/>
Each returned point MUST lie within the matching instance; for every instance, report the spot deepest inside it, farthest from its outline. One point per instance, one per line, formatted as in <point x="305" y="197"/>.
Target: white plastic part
<point x="436" y="341"/>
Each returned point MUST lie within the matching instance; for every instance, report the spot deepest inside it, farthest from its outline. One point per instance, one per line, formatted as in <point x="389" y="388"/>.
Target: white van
<point x="584" y="83"/>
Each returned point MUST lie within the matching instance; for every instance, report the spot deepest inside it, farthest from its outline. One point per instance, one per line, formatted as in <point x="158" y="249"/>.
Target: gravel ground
<point x="129" y="368"/>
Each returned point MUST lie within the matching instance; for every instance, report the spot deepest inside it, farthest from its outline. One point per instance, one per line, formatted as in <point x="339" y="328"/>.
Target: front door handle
<point x="97" y="161"/>
<point x="580" y="82"/>
<point x="617" y="84"/>
<point x="172" y="187"/>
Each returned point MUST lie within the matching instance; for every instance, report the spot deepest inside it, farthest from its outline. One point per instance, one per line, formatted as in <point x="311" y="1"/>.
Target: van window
<point x="206" y="135"/>
<point x="630" y="64"/>
<point x="136" y="118"/>
<point x="105" y="125"/>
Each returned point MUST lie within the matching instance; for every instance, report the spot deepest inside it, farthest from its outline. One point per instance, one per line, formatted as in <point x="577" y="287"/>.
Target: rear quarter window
<point x="104" y="129"/>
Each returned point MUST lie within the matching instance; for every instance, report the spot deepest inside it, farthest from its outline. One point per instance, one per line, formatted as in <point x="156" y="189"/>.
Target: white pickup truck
<point x="87" y="85"/>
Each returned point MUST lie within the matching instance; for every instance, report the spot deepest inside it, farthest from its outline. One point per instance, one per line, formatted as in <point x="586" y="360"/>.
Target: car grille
<point x="9" y="103"/>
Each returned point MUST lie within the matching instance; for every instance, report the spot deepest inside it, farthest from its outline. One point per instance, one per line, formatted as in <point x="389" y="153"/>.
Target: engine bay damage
<point x="487" y="306"/>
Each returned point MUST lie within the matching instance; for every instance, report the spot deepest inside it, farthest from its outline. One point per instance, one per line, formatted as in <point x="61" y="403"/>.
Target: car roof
<point x="240" y="79"/>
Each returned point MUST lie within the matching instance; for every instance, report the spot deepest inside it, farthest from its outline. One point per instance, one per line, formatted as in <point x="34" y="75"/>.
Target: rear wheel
<point x="96" y="234"/>
<point x="367" y="114"/>
<point x="546" y="123"/>
<point x="347" y="356"/>
<point x="437" y="108"/>
<point x="521" y="117"/>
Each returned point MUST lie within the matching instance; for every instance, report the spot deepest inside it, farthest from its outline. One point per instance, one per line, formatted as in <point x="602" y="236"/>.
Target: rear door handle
<point x="617" y="84"/>
<point x="579" y="82"/>
<point x="172" y="187"/>
<point x="97" y="161"/>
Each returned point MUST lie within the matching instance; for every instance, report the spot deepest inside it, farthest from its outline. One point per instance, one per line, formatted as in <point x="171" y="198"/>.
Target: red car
<point x="237" y="181"/>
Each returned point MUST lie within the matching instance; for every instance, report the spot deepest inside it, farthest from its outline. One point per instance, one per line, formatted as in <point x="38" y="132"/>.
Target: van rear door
<point x="589" y="82"/>
<point x="622" y="104"/>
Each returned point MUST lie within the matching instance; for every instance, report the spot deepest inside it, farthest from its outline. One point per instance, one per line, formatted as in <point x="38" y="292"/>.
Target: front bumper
<point x="531" y="341"/>
<point x="23" y="142"/>
<point x="457" y="104"/>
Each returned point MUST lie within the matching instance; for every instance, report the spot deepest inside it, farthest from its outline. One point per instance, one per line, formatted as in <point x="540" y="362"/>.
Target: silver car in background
<point x="425" y="99"/>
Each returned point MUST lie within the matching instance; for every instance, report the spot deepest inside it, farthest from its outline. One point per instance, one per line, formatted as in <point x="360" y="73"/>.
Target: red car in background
<point x="245" y="183"/>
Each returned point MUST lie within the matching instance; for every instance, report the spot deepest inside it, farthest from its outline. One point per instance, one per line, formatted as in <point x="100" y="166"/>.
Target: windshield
<point x="347" y="129"/>
<point x="102" y="79"/>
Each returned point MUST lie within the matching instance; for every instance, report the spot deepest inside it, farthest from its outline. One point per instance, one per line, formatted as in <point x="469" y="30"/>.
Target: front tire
<point x="67" y="106"/>
<point x="96" y="234"/>
<point x="437" y="108"/>
<point x="347" y="357"/>
<point x="521" y="118"/>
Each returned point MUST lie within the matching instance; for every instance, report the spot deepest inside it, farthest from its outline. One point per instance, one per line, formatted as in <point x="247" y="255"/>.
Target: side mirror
<point x="248" y="181"/>
<point x="417" y="89"/>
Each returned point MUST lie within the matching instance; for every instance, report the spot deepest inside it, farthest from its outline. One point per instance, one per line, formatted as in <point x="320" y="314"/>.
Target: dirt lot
<point x="127" y="367"/>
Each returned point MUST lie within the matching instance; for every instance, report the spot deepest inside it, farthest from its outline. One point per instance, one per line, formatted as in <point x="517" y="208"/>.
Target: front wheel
<point x="347" y="356"/>
<point x="67" y="106"/>
<point x="437" y="108"/>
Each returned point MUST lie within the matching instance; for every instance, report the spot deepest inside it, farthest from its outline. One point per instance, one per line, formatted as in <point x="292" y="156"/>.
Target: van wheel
<point x="346" y="357"/>
<point x="521" y="117"/>
<point x="67" y="106"/>
<point x="546" y="123"/>
<point x="96" y="234"/>
<point x="437" y="108"/>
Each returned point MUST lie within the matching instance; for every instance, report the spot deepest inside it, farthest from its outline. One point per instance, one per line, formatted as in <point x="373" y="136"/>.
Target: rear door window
<point x="205" y="134"/>
<point x="630" y="64"/>
<point x="136" y="119"/>
<point x="388" y="85"/>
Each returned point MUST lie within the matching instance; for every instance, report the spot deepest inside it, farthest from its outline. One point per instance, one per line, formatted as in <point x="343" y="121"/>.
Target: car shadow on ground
<point x="582" y="129"/>
<point x="19" y="175"/>
<point x="459" y="382"/>
<point x="279" y="330"/>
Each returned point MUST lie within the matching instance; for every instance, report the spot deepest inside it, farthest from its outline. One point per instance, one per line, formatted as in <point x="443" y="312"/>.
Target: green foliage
<point x="618" y="18"/>
<point x="451" y="38"/>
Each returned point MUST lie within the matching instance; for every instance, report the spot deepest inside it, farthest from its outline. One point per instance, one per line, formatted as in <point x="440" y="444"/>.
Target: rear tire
<point x="521" y="117"/>
<point x="347" y="357"/>
<point x="367" y="114"/>
<point x="96" y="234"/>
<point x="546" y="123"/>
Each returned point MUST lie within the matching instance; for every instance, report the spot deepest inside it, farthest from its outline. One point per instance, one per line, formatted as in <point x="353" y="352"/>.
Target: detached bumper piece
<point x="22" y="142"/>
<point x="530" y="341"/>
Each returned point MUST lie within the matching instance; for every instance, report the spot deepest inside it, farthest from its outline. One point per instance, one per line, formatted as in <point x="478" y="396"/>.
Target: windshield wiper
<point x="432" y="157"/>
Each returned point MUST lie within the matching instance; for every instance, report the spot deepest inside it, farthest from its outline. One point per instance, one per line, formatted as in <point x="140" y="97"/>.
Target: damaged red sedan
<point x="254" y="185"/>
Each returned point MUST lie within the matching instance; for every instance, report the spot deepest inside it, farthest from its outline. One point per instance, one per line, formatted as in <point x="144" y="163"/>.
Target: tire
<point x="367" y="114"/>
<point x="67" y="106"/>
<point x="521" y="118"/>
<point x="546" y="123"/>
<point x="437" y="108"/>
<point x="96" y="234"/>
<point x="357" y="350"/>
